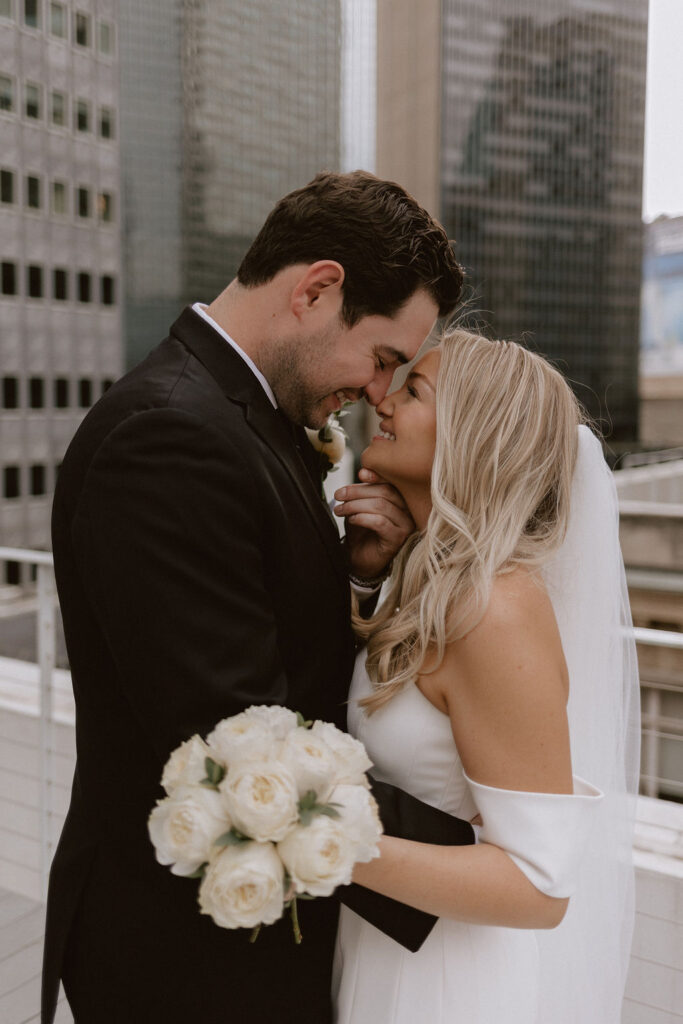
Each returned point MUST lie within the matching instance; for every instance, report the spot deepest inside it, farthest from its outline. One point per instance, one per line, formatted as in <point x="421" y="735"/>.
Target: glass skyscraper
<point x="539" y="168"/>
<point x="543" y="121"/>
<point x="225" y="107"/>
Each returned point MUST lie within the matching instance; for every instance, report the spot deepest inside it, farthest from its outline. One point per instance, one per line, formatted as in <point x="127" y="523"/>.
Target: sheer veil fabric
<point x="583" y="963"/>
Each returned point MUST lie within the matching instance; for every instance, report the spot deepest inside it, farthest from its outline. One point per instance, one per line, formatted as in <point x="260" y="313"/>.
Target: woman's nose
<point x="385" y="406"/>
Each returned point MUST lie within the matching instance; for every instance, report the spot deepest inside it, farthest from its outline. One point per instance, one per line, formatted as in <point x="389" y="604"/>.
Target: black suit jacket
<point x="198" y="572"/>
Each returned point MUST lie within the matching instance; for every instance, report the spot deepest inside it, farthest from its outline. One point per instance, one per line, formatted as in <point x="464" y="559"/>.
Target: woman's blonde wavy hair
<point x="506" y="441"/>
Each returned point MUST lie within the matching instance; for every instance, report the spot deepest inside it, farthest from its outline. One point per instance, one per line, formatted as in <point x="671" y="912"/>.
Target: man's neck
<point x="242" y="313"/>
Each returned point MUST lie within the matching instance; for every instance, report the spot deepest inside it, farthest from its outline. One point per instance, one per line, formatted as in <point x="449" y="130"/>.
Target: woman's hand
<point x="378" y="523"/>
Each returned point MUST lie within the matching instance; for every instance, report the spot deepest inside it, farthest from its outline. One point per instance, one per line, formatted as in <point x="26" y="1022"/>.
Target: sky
<point x="663" y="184"/>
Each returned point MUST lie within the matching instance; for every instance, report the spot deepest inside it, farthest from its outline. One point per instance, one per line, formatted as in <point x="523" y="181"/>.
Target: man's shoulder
<point x="169" y="394"/>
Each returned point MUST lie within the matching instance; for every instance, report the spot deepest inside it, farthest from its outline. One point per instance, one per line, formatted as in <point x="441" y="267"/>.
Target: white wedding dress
<point x="576" y="845"/>
<point x="463" y="972"/>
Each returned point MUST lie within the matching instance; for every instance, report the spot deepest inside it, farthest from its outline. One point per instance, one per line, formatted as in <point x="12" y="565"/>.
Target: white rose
<point x="351" y="757"/>
<point x="243" y="886"/>
<point x="319" y="856"/>
<point x="278" y="719"/>
<point x="310" y="761"/>
<point x="186" y="765"/>
<point x="262" y="799"/>
<point x="184" y="826"/>
<point x="359" y="817"/>
<point x="242" y="737"/>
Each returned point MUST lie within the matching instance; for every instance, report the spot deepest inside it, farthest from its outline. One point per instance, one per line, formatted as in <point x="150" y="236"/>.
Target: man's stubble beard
<point x="289" y="374"/>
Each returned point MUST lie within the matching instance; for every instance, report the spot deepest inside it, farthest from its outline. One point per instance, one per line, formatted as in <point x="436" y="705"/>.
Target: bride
<point x="498" y="682"/>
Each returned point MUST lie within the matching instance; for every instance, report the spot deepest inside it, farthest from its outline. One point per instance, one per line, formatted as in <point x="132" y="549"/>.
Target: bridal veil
<point x="584" y="961"/>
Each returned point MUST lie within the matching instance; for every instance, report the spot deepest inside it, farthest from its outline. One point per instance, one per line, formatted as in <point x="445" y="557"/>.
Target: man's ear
<point x="319" y="289"/>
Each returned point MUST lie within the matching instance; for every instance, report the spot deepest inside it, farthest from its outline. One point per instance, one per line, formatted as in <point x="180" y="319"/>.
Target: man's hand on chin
<point x="378" y="524"/>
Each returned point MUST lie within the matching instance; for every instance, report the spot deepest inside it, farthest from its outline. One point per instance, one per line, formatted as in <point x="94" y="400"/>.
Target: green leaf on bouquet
<point x="329" y="809"/>
<point x="214" y="773"/>
<point x="309" y="807"/>
<point x="200" y="872"/>
<point x="231" y="838"/>
<point x="302" y="722"/>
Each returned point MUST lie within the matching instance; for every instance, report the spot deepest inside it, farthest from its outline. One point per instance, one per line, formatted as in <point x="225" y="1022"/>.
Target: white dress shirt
<point x="200" y="308"/>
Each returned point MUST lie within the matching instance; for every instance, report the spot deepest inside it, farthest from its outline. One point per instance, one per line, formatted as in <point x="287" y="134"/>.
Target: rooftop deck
<point x="21" y="949"/>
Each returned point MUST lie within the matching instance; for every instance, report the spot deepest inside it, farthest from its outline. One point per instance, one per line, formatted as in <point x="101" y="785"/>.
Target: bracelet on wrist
<point x="370" y="583"/>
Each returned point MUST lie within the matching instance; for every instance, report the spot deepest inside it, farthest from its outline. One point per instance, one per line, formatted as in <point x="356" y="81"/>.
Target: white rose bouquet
<point x="267" y="810"/>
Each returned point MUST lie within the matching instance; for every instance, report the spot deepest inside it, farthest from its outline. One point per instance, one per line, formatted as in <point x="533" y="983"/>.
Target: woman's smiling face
<point x="403" y="453"/>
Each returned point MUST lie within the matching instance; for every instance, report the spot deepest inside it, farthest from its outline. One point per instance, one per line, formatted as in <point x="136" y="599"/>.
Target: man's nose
<point x="376" y="390"/>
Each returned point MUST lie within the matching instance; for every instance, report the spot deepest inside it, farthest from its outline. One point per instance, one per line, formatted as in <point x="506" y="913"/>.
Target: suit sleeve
<point x="407" y="817"/>
<point x="169" y="542"/>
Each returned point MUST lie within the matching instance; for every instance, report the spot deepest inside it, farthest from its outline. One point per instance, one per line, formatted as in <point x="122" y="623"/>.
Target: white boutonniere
<point x="329" y="442"/>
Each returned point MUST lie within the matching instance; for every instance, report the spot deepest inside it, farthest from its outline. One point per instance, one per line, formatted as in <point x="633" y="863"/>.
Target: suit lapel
<point x="239" y="384"/>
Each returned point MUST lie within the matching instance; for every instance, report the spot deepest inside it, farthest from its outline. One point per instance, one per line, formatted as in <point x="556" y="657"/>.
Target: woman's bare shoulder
<point x="505" y="686"/>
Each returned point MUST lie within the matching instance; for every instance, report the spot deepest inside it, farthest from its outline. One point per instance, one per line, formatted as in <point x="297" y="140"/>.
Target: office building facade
<point x="662" y="312"/>
<point x="226" y="106"/>
<point x="60" y="288"/>
<point x="535" y="169"/>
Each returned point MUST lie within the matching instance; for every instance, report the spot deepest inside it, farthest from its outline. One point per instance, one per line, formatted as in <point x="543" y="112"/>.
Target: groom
<point x="199" y="572"/>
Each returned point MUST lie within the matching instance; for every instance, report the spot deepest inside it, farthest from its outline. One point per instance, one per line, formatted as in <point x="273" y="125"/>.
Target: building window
<point x="82" y="116"/>
<point x="10" y="482"/>
<point x="83" y="287"/>
<point x="59" y="197"/>
<point x="83" y="202"/>
<point x="58" y="108"/>
<point x="58" y="20"/>
<point x="61" y="393"/>
<point x="31" y="13"/>
<point x="106" y="123"/>
<point x="60" y="284"/>
<point x="6" y="93"/>
<point x="10" y="392"/>
<point x="85" y="393"/>
<point x="36" y="393"/>
<point x="6" y="9"/>
<point x="34" y="281"/>
<point x="82" y="29"/>
<point x="105" y="206"/>
<point x="12" y="573"/>
<point x="106" y="384"/>
<point x="33" y="192"/>
<point x="7" y="186"/>
<point x="32" y="97"/>
<point x="8" y="278"/>
<point x="107" y="290"/>
<point x="106" y="37"/>
<point x="37" y="477"/>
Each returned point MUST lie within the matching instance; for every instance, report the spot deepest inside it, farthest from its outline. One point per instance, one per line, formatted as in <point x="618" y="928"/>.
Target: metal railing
<point x="46" y="647"/>
<point x="660" y="733"/>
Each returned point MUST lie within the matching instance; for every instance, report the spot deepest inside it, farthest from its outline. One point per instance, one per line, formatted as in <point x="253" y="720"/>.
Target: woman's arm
<point x="504" y="687"/>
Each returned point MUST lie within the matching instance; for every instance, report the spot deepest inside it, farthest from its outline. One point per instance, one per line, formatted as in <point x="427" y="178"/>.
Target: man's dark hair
<point x="387" y="244"/>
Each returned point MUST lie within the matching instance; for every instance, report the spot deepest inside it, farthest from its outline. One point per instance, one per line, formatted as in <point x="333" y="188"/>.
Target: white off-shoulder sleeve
<point x="545" y="834"/>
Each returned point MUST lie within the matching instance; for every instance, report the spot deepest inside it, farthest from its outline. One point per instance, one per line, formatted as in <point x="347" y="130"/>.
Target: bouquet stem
<point x="295" y="921"/>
